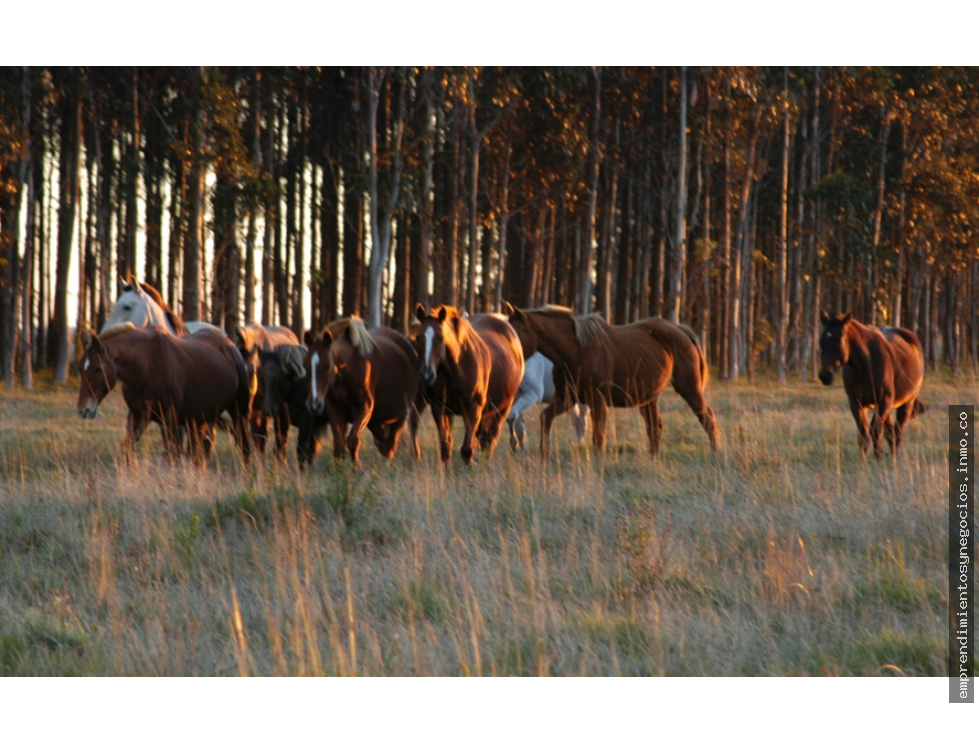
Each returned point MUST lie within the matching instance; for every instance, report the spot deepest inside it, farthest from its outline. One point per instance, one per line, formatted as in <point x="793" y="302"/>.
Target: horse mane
<point x="116" y="330"/>
<point x="588" y="329"/>
<point x="464" y="331"/>
<point x="360" y="337"/>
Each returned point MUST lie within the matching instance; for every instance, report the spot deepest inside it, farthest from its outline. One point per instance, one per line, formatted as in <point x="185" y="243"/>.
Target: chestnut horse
<point x="470" y="367"/>
<point x="623" y="366"/>
<point x="883" y="369"/>
<point x="365" y="379"/>
<point x="170" y="380"/>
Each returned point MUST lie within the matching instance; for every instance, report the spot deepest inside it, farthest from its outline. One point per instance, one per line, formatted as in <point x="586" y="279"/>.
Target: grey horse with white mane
<point x="143" y="306"/>
<point x="538" y="386"/>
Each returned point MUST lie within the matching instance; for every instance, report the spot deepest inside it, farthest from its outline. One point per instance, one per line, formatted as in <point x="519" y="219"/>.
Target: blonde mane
<point x="360" y="337"/>
<point x="116" y="330"/>
<point x="587" y="329"/>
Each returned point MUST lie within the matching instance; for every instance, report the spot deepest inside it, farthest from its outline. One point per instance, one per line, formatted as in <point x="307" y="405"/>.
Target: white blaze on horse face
<point x="429" y="339"/>
<point x="313" y="361"/>
<point x="87" y="363"/>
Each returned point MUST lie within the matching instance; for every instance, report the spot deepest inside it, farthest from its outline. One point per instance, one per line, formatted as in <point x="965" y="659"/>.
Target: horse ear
<point x="420" y="312"/>
<point x="84" y="338"/>
<point x="442" y="313"/>
<point x="847" y="317"/>
<point x="307" y="338"/>
<point x="508" y="309"/>
<point x="824" y="316"/>
<point x="327" y="339"/>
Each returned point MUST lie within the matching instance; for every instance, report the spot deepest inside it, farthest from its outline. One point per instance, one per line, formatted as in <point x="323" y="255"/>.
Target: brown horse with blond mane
<point x="883" y="369"/>
<point x="363" y="379"/>
<point x="171" y="380"/>
<point x="622" y="366"/>
<point x="470" y="367"/>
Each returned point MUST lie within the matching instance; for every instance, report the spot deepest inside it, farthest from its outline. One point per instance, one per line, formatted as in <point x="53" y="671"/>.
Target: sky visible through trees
<point x="738" y="200"/>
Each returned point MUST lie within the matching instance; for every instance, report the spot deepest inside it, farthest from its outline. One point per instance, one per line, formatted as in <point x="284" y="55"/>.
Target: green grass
<point x="784" y="554"/>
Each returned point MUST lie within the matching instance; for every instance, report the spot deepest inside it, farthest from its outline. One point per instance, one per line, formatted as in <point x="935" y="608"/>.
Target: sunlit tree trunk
<point x="71" y="115"/>
<point x="583" y="301"/>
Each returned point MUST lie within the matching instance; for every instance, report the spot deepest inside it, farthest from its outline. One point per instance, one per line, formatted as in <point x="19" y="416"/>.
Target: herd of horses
<point x="192" y="378"/>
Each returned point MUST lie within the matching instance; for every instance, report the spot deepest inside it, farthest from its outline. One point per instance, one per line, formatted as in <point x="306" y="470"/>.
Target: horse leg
<point x="579" y="416"/>
<point x="493" y="429"/>
<point x="902" y="417"/>
<point x="880" y="421"/>
<point x="413" y="416"/>
<point x="136" y="423"/>
<point x="558" y="404"/>
<point x="471" y="416"/>
<point x="518" y="433"/>
<point x="443" y="422"/>
<point x="654" y="425"/>
<point x="599" y="419"/>
<point x="692" y="393"/>
<point x="357" y="427"/>
<point x="863" y="428"/>
<point x="281" y="422"/>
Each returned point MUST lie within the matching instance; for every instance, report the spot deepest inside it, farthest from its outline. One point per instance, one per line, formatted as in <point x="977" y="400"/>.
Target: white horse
<point x="138" y="305"/>
<point x="538" y="386"/>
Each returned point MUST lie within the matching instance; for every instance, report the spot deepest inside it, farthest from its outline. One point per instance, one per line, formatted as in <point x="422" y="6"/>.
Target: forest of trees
<point x="739" y="201"/>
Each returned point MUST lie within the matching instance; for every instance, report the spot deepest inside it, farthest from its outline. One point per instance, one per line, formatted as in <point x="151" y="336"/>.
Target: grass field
<point x="785" y="554"/>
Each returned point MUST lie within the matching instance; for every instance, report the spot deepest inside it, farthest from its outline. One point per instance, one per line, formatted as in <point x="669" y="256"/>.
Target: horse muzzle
<point x="89" y="410"/>
<point x="428" y="377"/>
<point x="826" y="377"/>
<point x="316" y="406"/>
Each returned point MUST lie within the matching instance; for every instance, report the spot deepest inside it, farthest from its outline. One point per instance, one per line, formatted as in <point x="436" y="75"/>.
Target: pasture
<point x="783" y="554"/>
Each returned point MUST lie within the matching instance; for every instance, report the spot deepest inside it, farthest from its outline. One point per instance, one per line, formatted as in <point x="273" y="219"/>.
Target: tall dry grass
<point x="784" y="554"/>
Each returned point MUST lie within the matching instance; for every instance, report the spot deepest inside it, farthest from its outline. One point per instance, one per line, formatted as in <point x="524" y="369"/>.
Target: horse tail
<point x="704" y="368"/>
<point x="919" y="408"/>
<point x="678" y="339"/>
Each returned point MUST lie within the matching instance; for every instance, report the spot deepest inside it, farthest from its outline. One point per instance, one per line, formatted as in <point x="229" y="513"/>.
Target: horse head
<point x="97" y="373"/>
<point x="834" y="346"/>
<point x="520" y="322"/>
<point x="319" y="366"/>
<point x="137" y="306"/>
<point x="277" y="370"/>
<point x="436" y="335"/>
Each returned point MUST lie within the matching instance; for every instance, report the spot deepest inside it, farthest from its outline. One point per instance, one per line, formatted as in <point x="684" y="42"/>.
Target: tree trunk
<point x="679" y="260"/>
<point x="583" y="300"/>
<point x="71" y="116"/>
<point x="782" y="313"/>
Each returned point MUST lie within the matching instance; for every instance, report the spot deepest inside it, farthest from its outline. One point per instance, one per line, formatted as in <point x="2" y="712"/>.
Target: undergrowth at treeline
<point x="784" y="554"/>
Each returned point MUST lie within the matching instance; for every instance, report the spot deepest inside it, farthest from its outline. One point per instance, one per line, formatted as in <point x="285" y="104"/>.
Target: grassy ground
<point x="785" y="554"/>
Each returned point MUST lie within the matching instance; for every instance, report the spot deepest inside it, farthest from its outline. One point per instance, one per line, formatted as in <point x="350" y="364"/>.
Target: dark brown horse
<point x="285" y="390"/>
<point x="470" y="367"/>
<point x="251" y="339"/>
<point x="173" y="381"/>
<point x="622" y="366"/>
<point x="363" y="379"/>
<point x="883" y="369"/>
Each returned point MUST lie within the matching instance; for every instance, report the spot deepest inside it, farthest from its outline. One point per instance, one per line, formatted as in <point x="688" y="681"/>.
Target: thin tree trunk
<point x="679" y="260"/>
<point x="782" y="316"/>
<point x="587" y="253"/>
